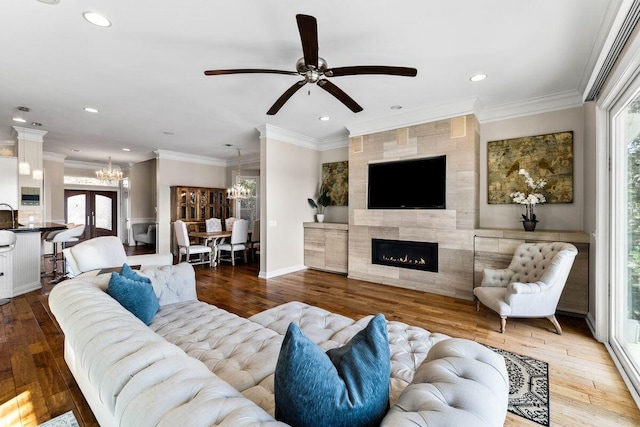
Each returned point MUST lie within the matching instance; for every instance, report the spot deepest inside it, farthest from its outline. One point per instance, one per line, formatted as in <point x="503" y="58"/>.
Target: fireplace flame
<point x="404" y="260"/>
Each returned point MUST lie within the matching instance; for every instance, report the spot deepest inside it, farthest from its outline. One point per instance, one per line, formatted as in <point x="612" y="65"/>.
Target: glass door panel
<point x="104" y="214"/>
<point x="625" y="236"/>
<point x="76" y="209"/>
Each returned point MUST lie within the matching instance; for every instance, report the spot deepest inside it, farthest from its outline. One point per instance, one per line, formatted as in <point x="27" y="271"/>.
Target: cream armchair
<point x="532" y="284"/>
<point x="90" y="256"/>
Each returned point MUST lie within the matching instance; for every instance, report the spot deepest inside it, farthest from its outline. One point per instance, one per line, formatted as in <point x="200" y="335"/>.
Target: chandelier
<point x="109" y="174"/>
<point x="238" y="191"/>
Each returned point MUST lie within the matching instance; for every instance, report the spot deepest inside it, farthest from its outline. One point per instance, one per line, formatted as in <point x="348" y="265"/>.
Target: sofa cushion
<point x="137" y="297"/>
<point x="127" y="272"/>
<point x="348" y="385"/>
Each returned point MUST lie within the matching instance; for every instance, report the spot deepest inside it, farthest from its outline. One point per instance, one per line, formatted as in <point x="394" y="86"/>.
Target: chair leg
<point x="553" y="320"/>
<point x="503" y="324"/>
<point x="477" y="305"/>
<point x="245" y="255"/>
<point x="233" y="257"/>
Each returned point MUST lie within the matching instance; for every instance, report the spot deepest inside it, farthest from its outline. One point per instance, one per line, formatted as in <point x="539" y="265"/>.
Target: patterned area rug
<point x="528" y="386"/>
<point x="65" y="420"/>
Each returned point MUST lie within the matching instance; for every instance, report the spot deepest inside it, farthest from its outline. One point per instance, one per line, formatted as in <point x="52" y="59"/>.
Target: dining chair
<point x="228" y="223"/>
<point x="187" y="249"/>
<point x="237" y="242"/>
<point x="254" y="242"/>
<point x="213" y="224"/>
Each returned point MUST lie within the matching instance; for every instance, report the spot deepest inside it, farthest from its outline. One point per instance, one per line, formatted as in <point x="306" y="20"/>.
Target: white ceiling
<point x="145" y="72"/>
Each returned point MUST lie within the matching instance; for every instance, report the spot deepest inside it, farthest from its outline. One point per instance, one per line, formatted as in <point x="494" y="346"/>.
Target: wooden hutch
<point x="194" y="205"/>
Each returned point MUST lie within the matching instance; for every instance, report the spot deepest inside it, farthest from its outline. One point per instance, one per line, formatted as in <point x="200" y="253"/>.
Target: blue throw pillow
<point x="137" y="297"/>
<point x="127" y="272"/>
<point x="346" y="386"/>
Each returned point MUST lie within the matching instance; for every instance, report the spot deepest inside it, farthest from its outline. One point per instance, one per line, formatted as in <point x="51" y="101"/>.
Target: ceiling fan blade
<point x="247" y="71"/>
<point x="371" y="69"/>
<point x="340" y="95"/>
<point x="308" y="27"/>
<point x="285" y="97"/>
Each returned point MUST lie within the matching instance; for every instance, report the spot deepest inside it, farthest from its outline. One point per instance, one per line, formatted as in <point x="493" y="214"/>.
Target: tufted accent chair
<point x="532" y="284"/>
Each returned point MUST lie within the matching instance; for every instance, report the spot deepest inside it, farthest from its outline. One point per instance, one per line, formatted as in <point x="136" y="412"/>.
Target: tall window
<point x="625" y="233"/>
<point x="248" y="208"/>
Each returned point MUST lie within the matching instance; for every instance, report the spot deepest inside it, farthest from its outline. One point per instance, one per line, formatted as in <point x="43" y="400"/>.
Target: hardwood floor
<point x="585" y="387"/>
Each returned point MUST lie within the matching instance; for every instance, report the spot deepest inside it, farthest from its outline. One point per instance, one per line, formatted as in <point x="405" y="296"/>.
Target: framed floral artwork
<point x="548" y="157"/>
<point x="335" y="179"/>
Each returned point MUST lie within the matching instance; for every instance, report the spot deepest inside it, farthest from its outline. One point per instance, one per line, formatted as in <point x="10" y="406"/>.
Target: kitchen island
<point x="20" y="268"/>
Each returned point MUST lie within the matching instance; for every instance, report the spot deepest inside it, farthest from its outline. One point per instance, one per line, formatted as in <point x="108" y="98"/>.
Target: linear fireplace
<point x="405" y="254"/>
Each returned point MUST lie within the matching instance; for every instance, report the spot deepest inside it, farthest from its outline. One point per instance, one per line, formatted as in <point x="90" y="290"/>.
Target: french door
<point x="624" y="279"/>
<point x="95" y="209"/>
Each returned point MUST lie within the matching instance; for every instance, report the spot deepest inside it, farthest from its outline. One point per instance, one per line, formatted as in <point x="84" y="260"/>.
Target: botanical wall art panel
<point x="335" y="179"/>
<point x="548" y="157"/>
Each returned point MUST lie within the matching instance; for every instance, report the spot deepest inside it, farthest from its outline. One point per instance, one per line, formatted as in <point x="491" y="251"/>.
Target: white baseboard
<point x="281" y="272"/>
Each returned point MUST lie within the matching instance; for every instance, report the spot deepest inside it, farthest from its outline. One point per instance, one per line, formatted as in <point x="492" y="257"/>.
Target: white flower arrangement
<point x="530" y="199"/>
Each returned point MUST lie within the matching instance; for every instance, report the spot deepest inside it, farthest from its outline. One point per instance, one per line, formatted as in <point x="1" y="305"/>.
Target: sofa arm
<point x="497" y="277"/>
<point x="460" y="383"/>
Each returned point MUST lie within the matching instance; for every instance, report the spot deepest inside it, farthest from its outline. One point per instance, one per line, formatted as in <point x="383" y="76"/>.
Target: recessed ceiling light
<point x="126" y="149"/>
<point x="75" y="150"/>
<point x="96" y="19"/>
<point x="36" y="124"/>
<point x="396" y="107"/>
<point x="168" y="133"/>
<point x="91" y="110"/>
<point x="324" y="118"/>
<point x="49" y="1"/>
<point x="478" y="77"/>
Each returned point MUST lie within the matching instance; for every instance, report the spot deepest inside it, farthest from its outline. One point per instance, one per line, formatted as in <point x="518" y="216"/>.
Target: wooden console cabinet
<point x="326" y="246"/>
<point x="494" y="248"/>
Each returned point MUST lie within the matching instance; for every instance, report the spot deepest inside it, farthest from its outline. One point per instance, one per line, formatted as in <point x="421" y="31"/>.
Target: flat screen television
<point x="408" y="184"/>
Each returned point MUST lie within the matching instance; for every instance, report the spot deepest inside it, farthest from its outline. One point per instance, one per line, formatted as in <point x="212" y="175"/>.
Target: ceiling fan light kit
<point x="315" y="70"/>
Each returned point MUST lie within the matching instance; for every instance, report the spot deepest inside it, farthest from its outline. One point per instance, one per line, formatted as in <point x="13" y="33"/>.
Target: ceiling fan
<point x="314" y="69"/>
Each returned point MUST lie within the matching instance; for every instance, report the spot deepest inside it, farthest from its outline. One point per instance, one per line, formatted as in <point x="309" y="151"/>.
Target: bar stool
<point x="62" y="237"/>
<point x="7" y="243"/>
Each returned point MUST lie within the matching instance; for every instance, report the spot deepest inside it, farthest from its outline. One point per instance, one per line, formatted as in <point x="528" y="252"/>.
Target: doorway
<point x="95" y="209"/>
<point x="624" y="277"/>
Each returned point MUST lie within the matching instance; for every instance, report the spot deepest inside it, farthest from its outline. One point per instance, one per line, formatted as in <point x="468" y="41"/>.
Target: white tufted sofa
<point x="199" y="365"/>
<point x="531" y="285"/>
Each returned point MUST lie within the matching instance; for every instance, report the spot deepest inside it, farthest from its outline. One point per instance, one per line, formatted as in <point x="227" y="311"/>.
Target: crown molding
<point x="53" y="157"/>
<point x="414" y="117"/>
<point x="290" y="137"/>
<point x="294" y="138"/>
<point x="527" y="107"/>
<point x="325" y="144"/>
<point x="189" y="158"/>
<point x="28" y="134"/>
<point x="87" y="165"/>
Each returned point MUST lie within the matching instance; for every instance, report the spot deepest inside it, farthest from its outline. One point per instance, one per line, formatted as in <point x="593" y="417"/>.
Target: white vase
<point x="320" y="217"/>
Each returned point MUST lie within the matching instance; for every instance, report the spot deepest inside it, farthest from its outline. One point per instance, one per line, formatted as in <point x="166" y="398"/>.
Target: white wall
<point x="566" y="216"/>
<point x="289" y="176"/>
<point x="334" y="213"/>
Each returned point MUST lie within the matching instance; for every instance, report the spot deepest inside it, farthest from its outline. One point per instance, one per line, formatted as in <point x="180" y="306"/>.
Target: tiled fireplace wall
<point x="452" y="228"/>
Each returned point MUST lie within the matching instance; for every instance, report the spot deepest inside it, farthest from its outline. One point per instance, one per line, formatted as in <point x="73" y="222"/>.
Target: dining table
<point x="213" y="239"/>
